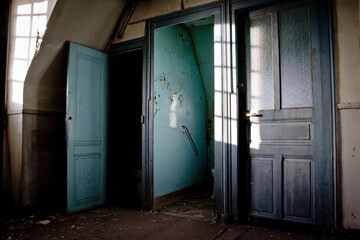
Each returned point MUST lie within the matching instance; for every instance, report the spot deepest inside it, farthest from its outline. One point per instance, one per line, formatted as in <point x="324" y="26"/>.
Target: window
<point x="278" y="60"/>
<point x="29" y="19"/>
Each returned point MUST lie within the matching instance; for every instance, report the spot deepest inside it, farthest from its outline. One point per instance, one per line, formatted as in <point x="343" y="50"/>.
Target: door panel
<point x="280" y="132"/>
<point x="260" y="84"/>
<point x="298" y="189"/>
<point x="86" y="128"/>
<point x="262" y="185"/>
<point x="281" y="123"/>
<point x="295" y="61"/>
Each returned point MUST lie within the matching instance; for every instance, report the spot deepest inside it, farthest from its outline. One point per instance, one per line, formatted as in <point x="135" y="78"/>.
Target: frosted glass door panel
<point x="259" y="61"/>
<point x="295" y="63"/>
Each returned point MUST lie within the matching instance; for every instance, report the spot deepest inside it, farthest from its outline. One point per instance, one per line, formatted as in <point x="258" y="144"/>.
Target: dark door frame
<point x="322" y="15"/>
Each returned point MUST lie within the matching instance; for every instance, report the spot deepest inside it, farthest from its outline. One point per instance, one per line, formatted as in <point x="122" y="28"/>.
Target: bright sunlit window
<point x="29" y="19"/>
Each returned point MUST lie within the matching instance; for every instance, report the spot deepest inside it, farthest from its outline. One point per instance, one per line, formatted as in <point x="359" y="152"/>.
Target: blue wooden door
<point x="283" y="94"/>
<point x="86" y="128"/>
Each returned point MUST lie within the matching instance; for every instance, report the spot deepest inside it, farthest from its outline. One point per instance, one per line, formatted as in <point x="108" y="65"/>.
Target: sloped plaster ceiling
<point x="86" y="22"/>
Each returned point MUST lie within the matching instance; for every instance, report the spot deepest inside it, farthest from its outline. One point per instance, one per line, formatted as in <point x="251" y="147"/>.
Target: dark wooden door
<point x="281" y="100"/>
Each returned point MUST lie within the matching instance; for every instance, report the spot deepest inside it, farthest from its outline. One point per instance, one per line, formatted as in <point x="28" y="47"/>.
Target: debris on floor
<point x="118" y="223"/>
<point x="199" y="206"/>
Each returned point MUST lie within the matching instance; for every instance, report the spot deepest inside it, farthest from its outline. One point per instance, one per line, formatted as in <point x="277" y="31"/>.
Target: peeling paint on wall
<point x="181" y="99"/>
<point x="180" y="95"/>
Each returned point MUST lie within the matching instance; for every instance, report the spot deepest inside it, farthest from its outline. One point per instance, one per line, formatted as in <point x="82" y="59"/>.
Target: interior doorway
<point x="125" y="129"/>
<point x="183" y="95"/>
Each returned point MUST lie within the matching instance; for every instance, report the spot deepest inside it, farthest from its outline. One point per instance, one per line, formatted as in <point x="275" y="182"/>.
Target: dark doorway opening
<point x="125" y="102"/>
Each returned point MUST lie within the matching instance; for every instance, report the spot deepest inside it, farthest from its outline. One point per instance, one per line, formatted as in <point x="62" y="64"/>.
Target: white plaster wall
<point x="347" y="53"/>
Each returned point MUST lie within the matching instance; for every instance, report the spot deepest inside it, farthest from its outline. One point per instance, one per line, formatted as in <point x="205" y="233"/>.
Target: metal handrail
<point x="191" y="140"/>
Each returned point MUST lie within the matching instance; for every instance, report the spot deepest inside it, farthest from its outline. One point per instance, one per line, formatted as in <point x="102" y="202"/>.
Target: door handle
<point x="67" y="118"/>
<point x="142" y="119"/>
<point x="254" y="115"/>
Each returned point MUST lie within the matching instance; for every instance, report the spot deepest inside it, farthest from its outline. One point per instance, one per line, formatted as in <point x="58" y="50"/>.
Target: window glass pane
<point x="19" y="70"/>
<point x="40" y="7"/>
<point x="259" y="63"/>
<point x="38" y="24"/>
<point x="32" y="47"/>
<point x="24" y="9"/>
<point x="295" y="62"/>
<point x="21" y="48"/>
<point x="22" y="25"/>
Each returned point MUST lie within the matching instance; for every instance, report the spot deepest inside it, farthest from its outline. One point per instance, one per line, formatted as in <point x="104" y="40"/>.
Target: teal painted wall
<point x="203" y="40"/>
<point x="179" y="99"/>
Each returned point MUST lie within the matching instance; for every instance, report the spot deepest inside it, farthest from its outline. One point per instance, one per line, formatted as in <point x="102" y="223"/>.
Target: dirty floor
<point x="117" y="223"/>
<point x="198" y="206"/>
<point x="192" y="218"/>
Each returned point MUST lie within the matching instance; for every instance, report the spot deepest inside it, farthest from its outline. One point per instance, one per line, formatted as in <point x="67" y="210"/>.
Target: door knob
<point x="254" y="115"/>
